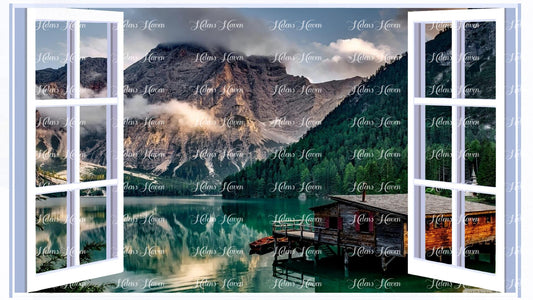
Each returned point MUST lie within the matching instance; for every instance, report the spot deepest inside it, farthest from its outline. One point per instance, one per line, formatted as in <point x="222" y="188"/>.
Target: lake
<point x="200" y="244"/>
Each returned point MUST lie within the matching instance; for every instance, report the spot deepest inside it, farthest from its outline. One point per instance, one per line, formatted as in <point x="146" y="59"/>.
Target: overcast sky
<point x="336" y="43"/>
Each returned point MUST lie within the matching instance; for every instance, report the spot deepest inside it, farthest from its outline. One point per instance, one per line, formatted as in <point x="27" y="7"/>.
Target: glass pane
<point x="93" y="143"/>
<point x="92" y="225"/>
<point x="438" y="60"/>
<point x="93" y="60"/>
<point x="480" y="60"/>
<point x="50" y="146"/>
<point x="438" y="143"/>
<point x="438" y="225"/>
<point x="51" y="232"/>
<point x="480" y="233"/>
<point x="50" y="60"/>
<point x="480" y="146"/>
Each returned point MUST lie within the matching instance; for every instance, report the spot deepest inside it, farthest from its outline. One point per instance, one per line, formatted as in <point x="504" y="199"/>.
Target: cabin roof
<point x="323" y="205"/>
<point x="397" y="203"/>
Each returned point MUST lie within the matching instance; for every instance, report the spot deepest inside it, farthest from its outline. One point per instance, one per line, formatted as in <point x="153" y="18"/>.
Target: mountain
<point x="362" y="144"/>
<point x="326" y="160"/>
<point x="93" y="76"/>
<point x="194" y="113"/>
<point x="254" y="105"/>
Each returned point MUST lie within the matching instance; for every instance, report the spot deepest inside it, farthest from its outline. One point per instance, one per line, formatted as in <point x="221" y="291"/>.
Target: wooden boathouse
<point x="358" y="225"/>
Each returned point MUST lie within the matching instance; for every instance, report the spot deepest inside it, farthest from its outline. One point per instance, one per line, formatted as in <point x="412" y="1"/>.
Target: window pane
<point x="480" y="233"/>
<point x="480" y="146"/>
<point x="92" y="225"/>
<point x="438" y="60"/>
<point x="51" y="232"/>
<point x="93" y="60"/>
<point x="93" y="143"/>
<point x="51" y="146"/>
<point x="438" y="143"/>
<point x="480" y="60"/>
<point x="50" y="59"/>
<point x="438" y="225"/>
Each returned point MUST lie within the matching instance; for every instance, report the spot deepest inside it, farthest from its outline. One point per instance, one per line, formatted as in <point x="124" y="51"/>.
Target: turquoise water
<point x="200" y="244"/>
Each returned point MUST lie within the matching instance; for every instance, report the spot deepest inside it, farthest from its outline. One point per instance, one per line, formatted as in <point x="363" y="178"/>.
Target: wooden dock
<point x="301" y="237"/>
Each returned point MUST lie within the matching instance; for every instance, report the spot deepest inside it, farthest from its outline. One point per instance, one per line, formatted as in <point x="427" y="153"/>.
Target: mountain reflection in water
<point x="200" y="244"/>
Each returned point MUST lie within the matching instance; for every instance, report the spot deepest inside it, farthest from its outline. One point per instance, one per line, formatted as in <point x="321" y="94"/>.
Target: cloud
<point x="322" y="71"/>
<point x="147" y="27"/>
<point x="359" y="46"/>
<point x="343" y="58"/>
<point x="144" y="28"/>
<point x="177" y="115"/>
<point x="93" y="47"/>
<point x="89" y="93"/>
<point x="186" y="116"/>
<point x="93" y="120"/>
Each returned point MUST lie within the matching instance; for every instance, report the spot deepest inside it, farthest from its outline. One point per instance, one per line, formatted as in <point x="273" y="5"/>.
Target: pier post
<point x="275" y="249"/>
<point x="316" y="254"/>
<point x="346" y="257"/>
<point x="290" y="250"/>
<point x="346" y="262"/>
<point x="492" y="253"/>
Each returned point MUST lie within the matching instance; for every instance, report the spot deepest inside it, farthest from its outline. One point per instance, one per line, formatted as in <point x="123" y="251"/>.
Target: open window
<point x="59" y="118"/>
<point x="461" y="139"/>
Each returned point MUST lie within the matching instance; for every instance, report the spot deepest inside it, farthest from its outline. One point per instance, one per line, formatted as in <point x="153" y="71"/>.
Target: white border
<point x="7" y="113"/>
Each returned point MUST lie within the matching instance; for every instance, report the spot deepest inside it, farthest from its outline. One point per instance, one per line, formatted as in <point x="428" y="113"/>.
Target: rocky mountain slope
<point x="362" y="143"/>
<point x="198" y="113"/>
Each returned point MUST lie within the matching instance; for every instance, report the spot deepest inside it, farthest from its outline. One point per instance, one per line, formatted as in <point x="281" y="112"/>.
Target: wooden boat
<point x="265" y="245"/>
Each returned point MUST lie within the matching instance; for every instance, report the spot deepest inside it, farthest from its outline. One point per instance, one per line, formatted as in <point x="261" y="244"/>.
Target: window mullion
<point x="74" y="186"/>
<point x="489" y="190"/>
<point x="73" y="143"/>
<point x="420" y="136"/>
<point x="114" y="138"/>
<point x="77" y="102"/>
<point x="111" y="171"/>
<point x="455" y="102"/>
<point x="458" y="144"/>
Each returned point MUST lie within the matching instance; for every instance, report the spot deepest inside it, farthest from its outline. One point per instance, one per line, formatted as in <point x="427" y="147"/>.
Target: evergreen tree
<point x="349" y="177"/>
<point x="487" y="164"/>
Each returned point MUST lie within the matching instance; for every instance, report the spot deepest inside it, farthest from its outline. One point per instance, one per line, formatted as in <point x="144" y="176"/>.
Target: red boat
<point x="265" y="245"/>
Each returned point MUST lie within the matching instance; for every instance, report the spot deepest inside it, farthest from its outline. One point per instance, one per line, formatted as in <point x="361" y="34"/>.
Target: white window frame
<point x="114" y="262"/>
<point x="505" y="104"/>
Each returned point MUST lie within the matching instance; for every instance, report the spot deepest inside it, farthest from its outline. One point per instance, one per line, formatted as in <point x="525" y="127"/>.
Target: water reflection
<point x="200" y="244"/>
